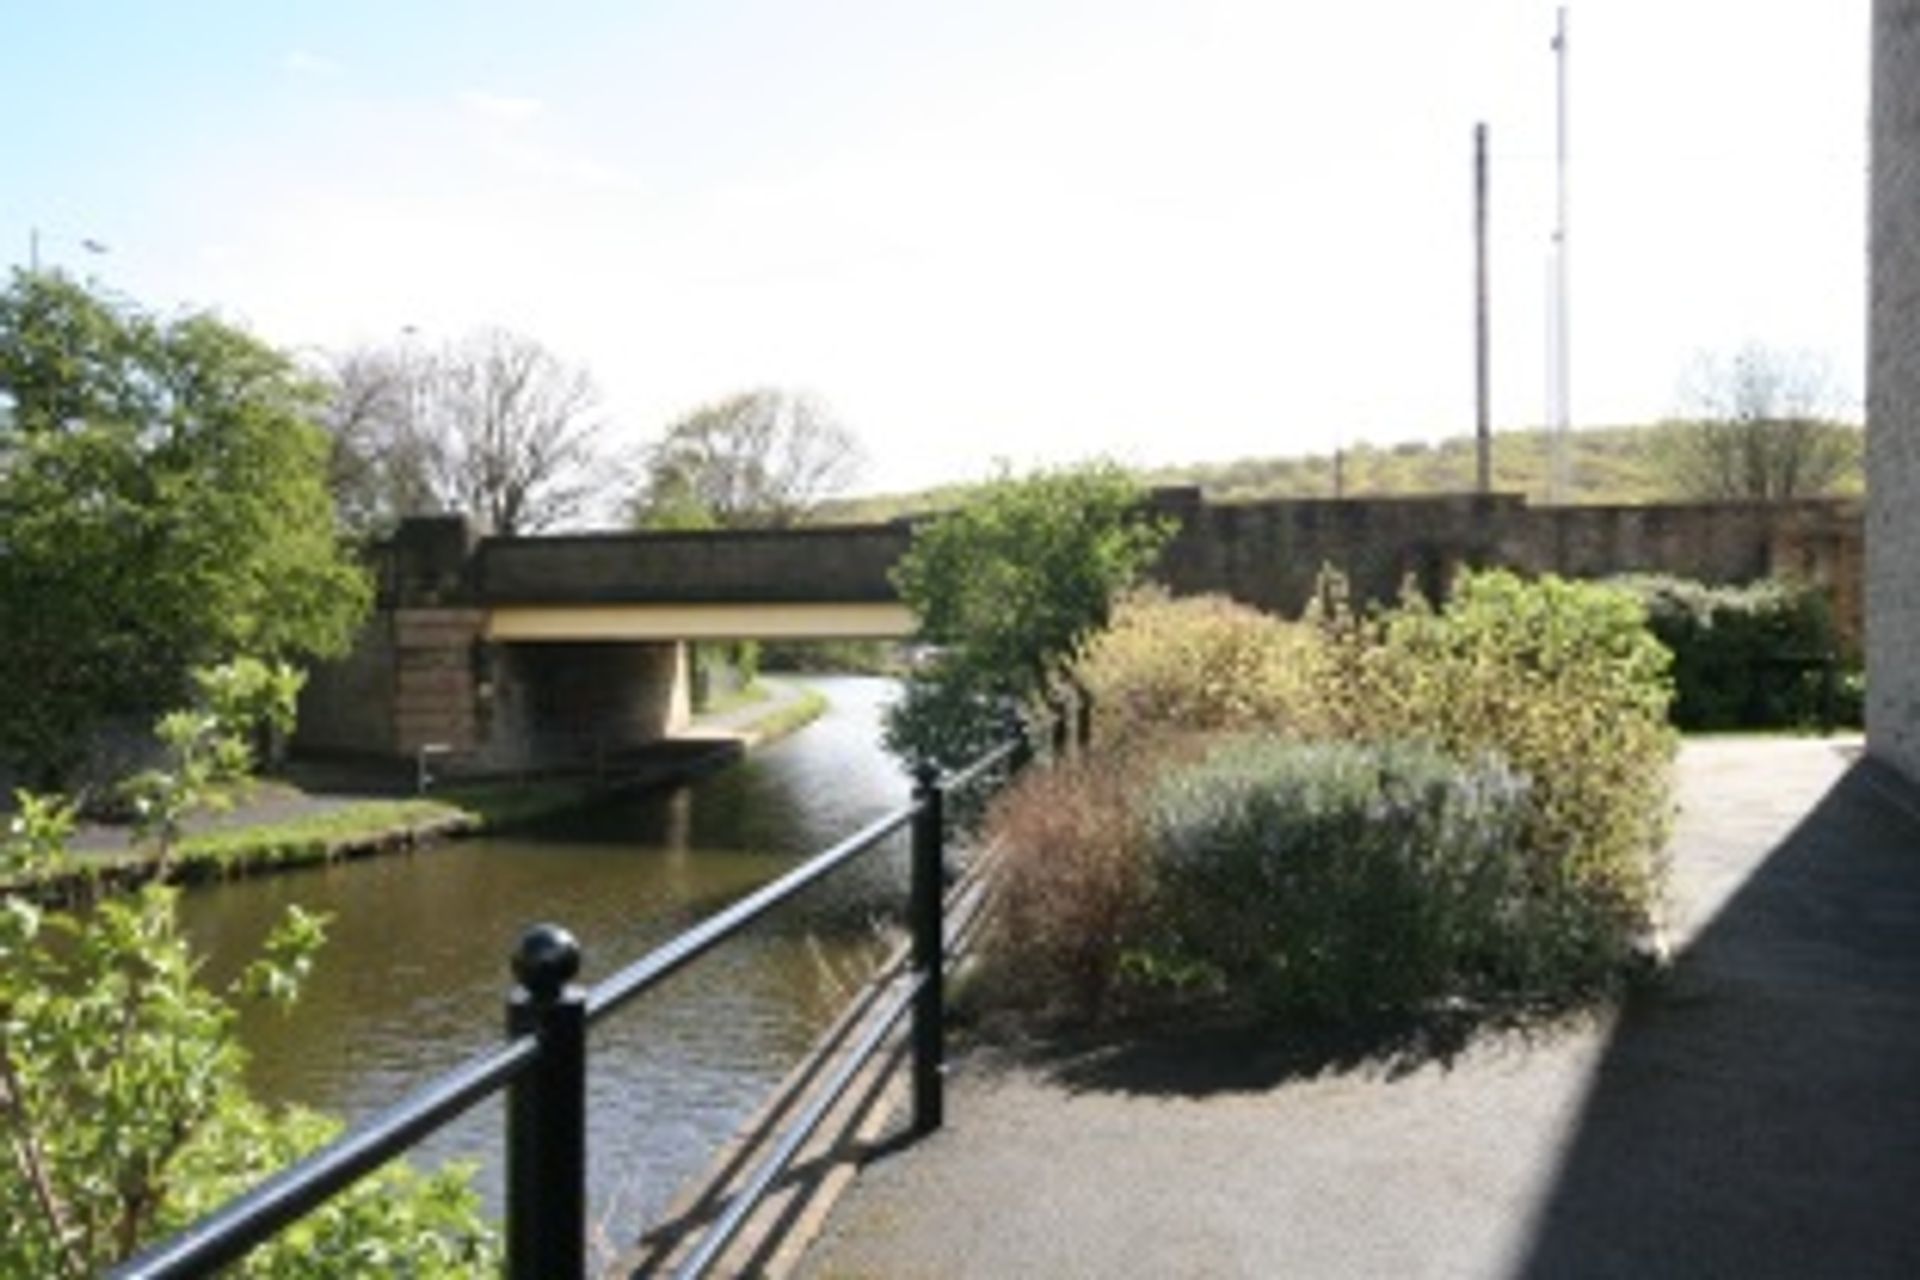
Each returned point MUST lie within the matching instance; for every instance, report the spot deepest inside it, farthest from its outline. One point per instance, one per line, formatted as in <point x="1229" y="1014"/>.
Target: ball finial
<point x="547" y="958"/>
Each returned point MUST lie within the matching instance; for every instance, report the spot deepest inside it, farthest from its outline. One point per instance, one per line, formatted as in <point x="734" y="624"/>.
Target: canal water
<point x="413" y="975"/>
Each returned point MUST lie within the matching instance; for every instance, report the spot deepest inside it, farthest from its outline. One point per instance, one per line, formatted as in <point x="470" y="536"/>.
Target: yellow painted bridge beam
<point x="578" y="622"/>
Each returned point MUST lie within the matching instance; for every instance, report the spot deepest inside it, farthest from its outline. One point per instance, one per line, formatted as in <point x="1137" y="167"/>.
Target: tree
<point x="162" y="504"/>
<point x="759" y="459"/>
<point x="1009" y="587"/>
<point x="383" y="465"/>
<point x="494" y="426"/>
<point x="124" y="1113"/>
<point x="1761" y="425"/>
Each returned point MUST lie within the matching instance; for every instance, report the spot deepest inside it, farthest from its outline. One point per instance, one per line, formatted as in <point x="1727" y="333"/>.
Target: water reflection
<point x="412" y="978"/>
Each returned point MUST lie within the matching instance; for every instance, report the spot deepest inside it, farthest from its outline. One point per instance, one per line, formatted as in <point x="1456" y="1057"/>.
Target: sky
<point x="1019" y="231"/>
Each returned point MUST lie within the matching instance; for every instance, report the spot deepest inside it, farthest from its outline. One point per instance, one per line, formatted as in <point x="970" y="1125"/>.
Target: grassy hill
<point x="1605" y="465"/>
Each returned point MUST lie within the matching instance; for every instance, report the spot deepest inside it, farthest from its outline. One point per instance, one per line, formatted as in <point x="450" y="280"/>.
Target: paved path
<point x="1758" y="1116"/>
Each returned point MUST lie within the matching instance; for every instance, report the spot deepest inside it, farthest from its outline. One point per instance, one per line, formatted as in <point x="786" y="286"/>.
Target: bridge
<point x="535" y="652"/>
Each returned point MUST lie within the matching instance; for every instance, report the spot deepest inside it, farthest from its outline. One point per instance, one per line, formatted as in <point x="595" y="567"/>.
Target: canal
<point x="414" y="972"/>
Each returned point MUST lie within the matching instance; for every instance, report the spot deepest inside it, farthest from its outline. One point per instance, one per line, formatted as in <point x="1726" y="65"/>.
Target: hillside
<point x="1605" y="465"/>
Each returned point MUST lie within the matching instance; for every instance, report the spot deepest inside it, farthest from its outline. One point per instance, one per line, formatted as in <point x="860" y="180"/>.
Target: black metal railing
<point x="542" y="1065"/>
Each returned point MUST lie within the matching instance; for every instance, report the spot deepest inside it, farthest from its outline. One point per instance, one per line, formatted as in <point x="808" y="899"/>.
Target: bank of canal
<point x="412" y="979"/>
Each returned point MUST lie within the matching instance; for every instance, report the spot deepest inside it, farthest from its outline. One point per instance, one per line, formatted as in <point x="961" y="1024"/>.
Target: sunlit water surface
<point x="415" y="970"/>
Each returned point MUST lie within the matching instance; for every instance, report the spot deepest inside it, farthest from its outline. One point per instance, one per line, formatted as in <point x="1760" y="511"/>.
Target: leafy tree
<point x="764" y="458"/>
<point x="1761" y="427"/>
<point x="1009" y="587"/>
<point x="123" y="1111"/>
<point x="494" y="426"/>
<point x="162" y="504"/>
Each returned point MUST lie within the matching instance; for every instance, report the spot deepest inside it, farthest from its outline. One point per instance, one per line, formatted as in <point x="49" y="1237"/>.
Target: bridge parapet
<point x="436" y="562"/>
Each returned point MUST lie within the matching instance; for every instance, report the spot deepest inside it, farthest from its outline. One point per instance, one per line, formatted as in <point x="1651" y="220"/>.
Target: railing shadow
<point x="1758" y="1114"/>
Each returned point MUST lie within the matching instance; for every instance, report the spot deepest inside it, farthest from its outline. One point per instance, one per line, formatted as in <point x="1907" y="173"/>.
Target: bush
<point x="1201" y="664"/>
<point x="1335" y="879"/>
<point x="1560" y="681"/>
<point x="1744" y="657"/>
<point x="1074" y="889"/>
<point x="1564" y="682"/>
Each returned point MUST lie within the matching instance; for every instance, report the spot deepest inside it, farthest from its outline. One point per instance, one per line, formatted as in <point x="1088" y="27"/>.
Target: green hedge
<point x="1745" y="657"/>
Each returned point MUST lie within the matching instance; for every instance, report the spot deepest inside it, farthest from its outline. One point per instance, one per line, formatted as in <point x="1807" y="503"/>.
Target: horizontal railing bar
<point x="972" y="773"/>
<point x="722" y="1233"/>
<point x="669" y="958"/>
<point x="227" y="1234"/>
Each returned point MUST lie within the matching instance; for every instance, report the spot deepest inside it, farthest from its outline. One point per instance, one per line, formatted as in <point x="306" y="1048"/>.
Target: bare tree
<point x="1761" y="425"/>
<point x="517" y="433"/>
<point x="384" y="464"/>
<point x="762" y="458"/>
<point x="494" y="426"/>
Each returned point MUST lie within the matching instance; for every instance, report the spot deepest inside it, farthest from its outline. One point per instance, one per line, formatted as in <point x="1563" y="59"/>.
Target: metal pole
<point x="1562" y="373"/>
<point x="547" y="1112"/>
<point x="924" y="911"/>
<point x="1482" y="418"/>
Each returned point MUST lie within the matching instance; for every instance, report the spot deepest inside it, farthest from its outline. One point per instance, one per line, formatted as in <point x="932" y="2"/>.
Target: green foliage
<point x="722" y="670"/>
<point x="1010" y="586"/>
<point x="1335" y="879"/>
<point x="122" y="1100"/>
<point x="1202" y="664"/>
<point x="1559" y="682"/>
<point x="163" y="493"/>
<point x="1744" y="657"/>
<point x="1562" y="680"/>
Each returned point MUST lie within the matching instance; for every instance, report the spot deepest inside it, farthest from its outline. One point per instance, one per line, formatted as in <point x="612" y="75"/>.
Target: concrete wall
<point x="1893" y="392"/>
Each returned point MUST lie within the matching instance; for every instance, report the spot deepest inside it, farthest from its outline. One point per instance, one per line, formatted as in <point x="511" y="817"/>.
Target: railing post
<point x="924" y="911"/>
<point x="547" y="1112"/>
<point x="1022" y="755"/>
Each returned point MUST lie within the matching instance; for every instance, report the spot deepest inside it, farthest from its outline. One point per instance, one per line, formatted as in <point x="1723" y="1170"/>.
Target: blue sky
<point x="1028" y="230"/>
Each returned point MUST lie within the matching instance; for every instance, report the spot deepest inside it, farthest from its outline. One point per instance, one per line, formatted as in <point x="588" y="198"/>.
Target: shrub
<point x="1742" y="655"/>
<point x="1337" y="878"/>
<point x="1074" y="887"/>
<point x="1361" y="898"/>
<point x="1563" y="681"/>
<point x="1202" y="664"/>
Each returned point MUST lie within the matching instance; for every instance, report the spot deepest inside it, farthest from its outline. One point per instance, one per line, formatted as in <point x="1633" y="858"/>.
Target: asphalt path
<point x="1757" y="1114"/>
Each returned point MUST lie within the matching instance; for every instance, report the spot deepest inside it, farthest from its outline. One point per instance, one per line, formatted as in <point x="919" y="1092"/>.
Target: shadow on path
<point x="1759" y="1113"/>
<point x="1199" y="1062"/>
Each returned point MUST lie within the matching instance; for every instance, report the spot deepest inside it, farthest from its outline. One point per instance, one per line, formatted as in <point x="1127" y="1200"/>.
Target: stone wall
<point x="1893" y="392"/>
<point x="1268" y="554"/>
<point x="346" y="707"/>
<point x="575" y="705"/>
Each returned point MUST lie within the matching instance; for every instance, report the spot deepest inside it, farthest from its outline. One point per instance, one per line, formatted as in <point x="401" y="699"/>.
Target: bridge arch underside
<point x="578" y="685"/>
<point x="572" y="704"/>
